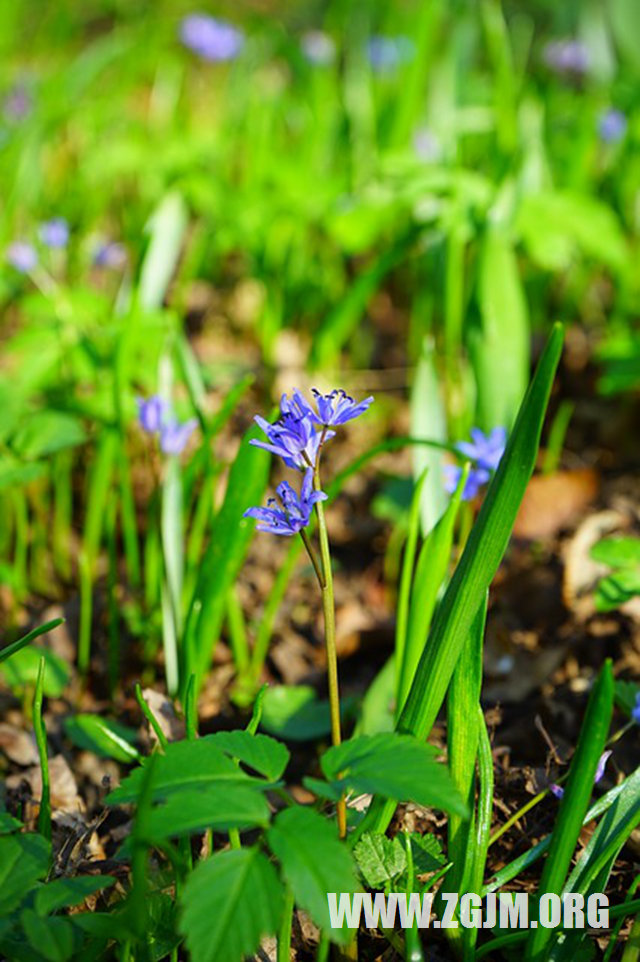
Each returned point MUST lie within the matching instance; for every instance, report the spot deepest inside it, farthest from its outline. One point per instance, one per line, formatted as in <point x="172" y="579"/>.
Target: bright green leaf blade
<point x="575" y="800"/>
<point x="294" y="712"/>
<point x="314" y="862"/>
<point x="26" y="639"/>
<point x="187" y="764"/>
<point x="219" y="807"/>
<point x="260" y="752"/>
<point x="475" y="571"/>
<point x="230" y="537"/>
<point x="617" y="552"/>
<point x="428" y="420"/>
<point x="394" y="766"/>
<point x="46" y="432"/>
<point x="617" y="588"/>
<point x="166" y="226"/>
<point x="22" y="669"/>
<point x="62" y="892"/>
<point x="229" y="902"/>
<point x="109" y="739"/>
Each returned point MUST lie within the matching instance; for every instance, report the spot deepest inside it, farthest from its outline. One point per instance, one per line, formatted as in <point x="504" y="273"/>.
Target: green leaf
<point x="230" y="537"/>
<point x="314" y="862"/>
<point x="625" y="694"/>
<point x="395" y="766"/>
<point x="380" y="859"/>
<point x="219" y="807"/>
<point x="575" y="800"/>
<point x="475" y="570"/>
<point x="55" y="939"/>
<point x="229" y="902"/>
<point x="500" y="349"/>
<point x="26" y="639"/>
<point x="108" y="739"/>
<point x="15" y="473"/>
<point x="427" y="854"/>
<point x="428" y="420"/>
<point x="23" y="860"/>
<point x="185" y="765"/>
<point x="9" y="824"/>
<point x="167" y="226"/>
<point x="22" y="669"/>
<point x="265" y="755"/>
<point x="294" y="712"/>
<point x="46" y="432"/>
<point x="617" y="552"/>
<point x="616" y="589"/>
<point x="63" y="892"/>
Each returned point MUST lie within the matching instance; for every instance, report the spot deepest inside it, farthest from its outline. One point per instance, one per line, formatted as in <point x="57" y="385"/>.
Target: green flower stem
<point x="44" y="817"/>
<point x="328" y="607"/>
<point x="284" y="935"/>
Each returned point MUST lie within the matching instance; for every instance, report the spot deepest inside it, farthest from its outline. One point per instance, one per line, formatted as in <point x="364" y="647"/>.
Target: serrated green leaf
<point x="216" y="807"/>
<point x="427" y="853"/>
<point x="109" y="739"/>
<point x="379" y="858"/>
<point x="265" y="755"/>
<point x="185" y="765"/>
<point x="229" y="902"/>
<point x="314" y="862"/>
<point x="616" y="589"/>
<point x="62" y="892"/>
<point x="395" y="766"/>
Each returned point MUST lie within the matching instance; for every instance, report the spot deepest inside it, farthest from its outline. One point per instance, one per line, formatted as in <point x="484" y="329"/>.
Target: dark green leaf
<point x="63" y="892"/>
<point x="380" y="859"/>
<point x="260" y="752"/>
<point x="55" y="939"/>
<point x="295" y="713"/>
<point x="109" y="739"/>
<point x="23" y="860"/>
<point x="47" y="432"/>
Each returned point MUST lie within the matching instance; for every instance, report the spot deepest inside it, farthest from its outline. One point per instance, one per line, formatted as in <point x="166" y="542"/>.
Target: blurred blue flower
<point x="485" y="451"/>
<point x="426" y="145"/>
<point x="212" y="39"/>
<point x="151" y="413"/>
<point x="602" y="764"/>
<point x="318" y="48"/>
<point x="175" y="435"/>
<point x="54" y="232"/>
<point x="110" y="254"/>
<point x="22" y="256"/>
<point x="567" y="56"/>
<point x="386" y="54"/>
<point x="612" y="125"/>
<point x="295" y="511"/>
<point x="18" y="103"/>
<point x="635" y="711"/>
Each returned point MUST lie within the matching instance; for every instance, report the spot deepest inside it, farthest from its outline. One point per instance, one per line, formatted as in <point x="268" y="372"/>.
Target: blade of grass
<point x="475" y="571"/>
<point x="31" y="636"/>
<point x="44" y="815"/>
<point x="575" y="800"/>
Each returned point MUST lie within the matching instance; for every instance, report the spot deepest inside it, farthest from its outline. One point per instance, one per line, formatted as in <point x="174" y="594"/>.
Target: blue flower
<point x="110" y="254"/>
<point x="18" y="103"/>
<point x="602" y="764"/>
<point x="22" y="256"/>
<point x="174" y="435"/>
<point x="485" y="451"/>
<point x="318" y="48"/>
<point x="292" y="438"/>
<point x="151" y="413"/>
<point x="635" y="711"/>
<point x="213" y="40"/>
<point x="567" y="56"/>
<point x="612" y="125"/>
<point x="55" y="232"/>
<point x="333" y="409"/>
<point x="295" y="511"/>
<point x="385" y="54"/>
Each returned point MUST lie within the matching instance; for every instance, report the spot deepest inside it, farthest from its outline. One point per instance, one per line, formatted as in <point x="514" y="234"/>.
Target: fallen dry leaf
<point x="554" y="501"/>
<point x="18" y="745"/>
<point x="172" y="727"/>
<point x="64" y="791"/>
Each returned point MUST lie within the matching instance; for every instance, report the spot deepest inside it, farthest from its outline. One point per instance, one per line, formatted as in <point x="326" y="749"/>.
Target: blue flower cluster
<point x="155" y="417"/>
<point x="485" y="451"/>
<point x="23" y="255"/>
<point x="211" y="39"/>
<point x="297" y="437"/>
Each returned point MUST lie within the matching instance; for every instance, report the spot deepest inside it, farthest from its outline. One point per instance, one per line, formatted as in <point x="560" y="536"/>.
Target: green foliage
<point x="623" y="555"/>
<point x="21" y="669"/>
<point x="295" y="713"/>
<point x="229" y="902"/>
<point x="313" y="862"/>
<point x="109" y="739"/>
